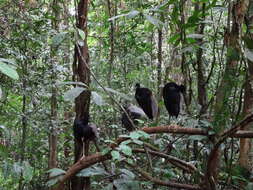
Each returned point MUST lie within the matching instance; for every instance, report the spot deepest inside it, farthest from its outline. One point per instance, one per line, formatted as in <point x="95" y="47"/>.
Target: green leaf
<point x="195" y="36"/>
<point x="137" y="142"/>
<point x="128" y="174"/>
<point x="132" y="14"/>
<point x="58" y="39"/>
<point x="115" y="155"/>
<point x="97" y="98"/>
<point x="27" y="171"/>
<point x="81" y="33"/>
<point x="55" y="172"/>
<point x="91" y="171"/>
<point x="174" y="38"/>
<point x="137" y="134"/>
<point x="153" y="20"/>
<point x="71" y="94"/>
<point x="105" y="151"/>
<point x="249" y="54"/>
<point x="8" y="70"/>
<point x="125" y="149"/>
<point x="117" y="93"/>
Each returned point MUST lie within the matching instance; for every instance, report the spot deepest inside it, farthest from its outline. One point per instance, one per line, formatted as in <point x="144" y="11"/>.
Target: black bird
<point x="171" y="97"/>
<point x="83" y="131"/>
<point x="134" y="113"/>
<point x="146" y="101"/>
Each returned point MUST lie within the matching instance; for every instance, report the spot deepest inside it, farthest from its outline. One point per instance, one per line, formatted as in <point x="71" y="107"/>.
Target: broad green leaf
<point x="91" y="171"/>
<point x="81" y="34"/>
<point x="249" y="54"/>
<point x="71" y="94"/>
<point x="195" y="36"/>
<point x="8" y="70"/>
<point x="115" y="17"/>
<point x="55" y="172"/>
<point x="58" y="39"/>
<point x="11" y="61"/>
<point x="153" y="20"/>
<point x="125" y="149"/>
<point x="117" y="93"/>
<point x="137" y="134"/>
<point x="105" y="151"/>
<point x="53" y="181"/>
<point x="132" y="14"/>
<point x="128" y="174"/>
<point x="115" y="155"/>
<point x="27" y="171"/>
<point x="97" y="98"/>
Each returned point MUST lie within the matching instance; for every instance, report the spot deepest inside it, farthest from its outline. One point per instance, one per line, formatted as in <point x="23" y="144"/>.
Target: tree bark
<point x="246" y="152"/>
<point x="228" y="82"/>
<point x="81" y="74"/>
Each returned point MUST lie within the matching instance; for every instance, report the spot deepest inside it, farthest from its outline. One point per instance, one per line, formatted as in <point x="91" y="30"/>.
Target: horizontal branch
<point x="173" y="160"/>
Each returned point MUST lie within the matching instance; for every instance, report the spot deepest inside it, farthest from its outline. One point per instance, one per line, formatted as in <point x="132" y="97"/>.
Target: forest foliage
<point x="204" y="45"/>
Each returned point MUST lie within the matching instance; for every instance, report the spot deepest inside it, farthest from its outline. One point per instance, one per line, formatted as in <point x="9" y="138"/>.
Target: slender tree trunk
<point x="246" y="152"/>
<point x="110" y="12"/>
<point x="24" y="125"/>
<point x="228" y="82"/>
<point x="184" y="67"/>
<point x="159" y="68"/>
<point x="52" y="162"/>
<point x="202" y="94"/>
<point x="82" y="74"/>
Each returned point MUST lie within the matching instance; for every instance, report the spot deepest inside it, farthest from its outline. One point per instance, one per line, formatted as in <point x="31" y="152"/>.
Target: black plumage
<point x="146" y="101"/>
<point x="83" y="131"/>
<point x="171" y="97"/>
<point x="134" y="113"/>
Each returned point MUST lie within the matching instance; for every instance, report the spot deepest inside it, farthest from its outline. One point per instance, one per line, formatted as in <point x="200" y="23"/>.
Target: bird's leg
<point x="83" y="155"/>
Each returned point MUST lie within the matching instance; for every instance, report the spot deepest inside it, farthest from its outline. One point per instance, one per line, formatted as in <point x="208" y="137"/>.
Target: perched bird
<point x="146" y="101"/>
<point x="134" y="113"/>
<point x="171" y="97"/>
<point x="83" y="131"/>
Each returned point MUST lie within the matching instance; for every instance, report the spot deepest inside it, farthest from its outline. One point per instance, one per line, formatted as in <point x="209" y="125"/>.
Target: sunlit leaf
<point x="153" y="20"/>
<point x="195" y="36"/>
<point x="73" y="93"/>
<point x="81" y="34"/>
<point x="97" y="98"/>
<point x="125" y="149"/>
<point x="132" y="14"/>
<point x="27" y="171"/>
<point x="55" y="172"/>
<point x="91" y="171"/>
<point x="249" y="54"/>
<point x="115" y="155"/>
<point x="8" y="70"/>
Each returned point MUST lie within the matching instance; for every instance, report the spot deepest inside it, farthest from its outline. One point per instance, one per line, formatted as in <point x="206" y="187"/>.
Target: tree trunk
<point x="246" y="152"/>
<point x="228" y="82"/>
<point x="82" y="74"/>
<point x="52" y="161"/>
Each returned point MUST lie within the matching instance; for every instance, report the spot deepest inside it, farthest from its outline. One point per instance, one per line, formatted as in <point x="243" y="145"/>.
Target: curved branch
<point x="147" y="176"/>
